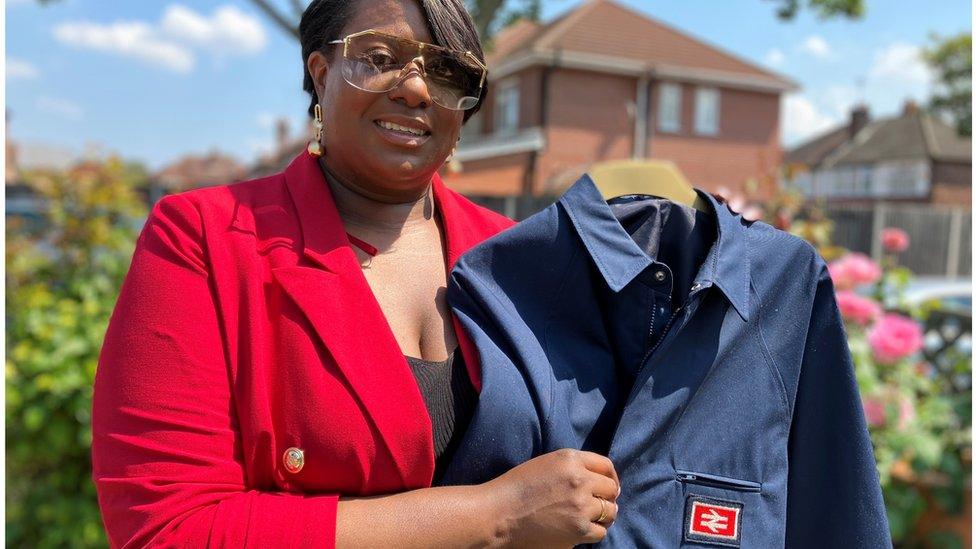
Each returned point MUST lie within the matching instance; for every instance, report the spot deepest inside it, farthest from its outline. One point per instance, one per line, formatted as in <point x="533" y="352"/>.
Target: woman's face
<point x="358" y="150"/>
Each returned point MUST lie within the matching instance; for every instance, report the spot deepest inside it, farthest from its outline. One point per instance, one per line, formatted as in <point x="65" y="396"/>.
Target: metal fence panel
<point x="929" y="228"/>
<point x="929" y="233"/>
<point x="852" y="227"/>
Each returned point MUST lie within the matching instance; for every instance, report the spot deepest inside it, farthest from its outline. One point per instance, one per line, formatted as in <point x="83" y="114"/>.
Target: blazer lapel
<point x="342" y="309"/>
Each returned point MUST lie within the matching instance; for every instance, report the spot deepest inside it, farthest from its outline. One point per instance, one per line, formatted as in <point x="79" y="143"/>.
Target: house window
<point x="669" y="108"/>
<point x="901" y="178"/>
<point x="706" y="111"/>
<point x="507" y="107"/>
<point x="862" y="180"/>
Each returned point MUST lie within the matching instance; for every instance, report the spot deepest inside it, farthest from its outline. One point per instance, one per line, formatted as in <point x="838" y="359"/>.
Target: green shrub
<point x="62" y="278"/>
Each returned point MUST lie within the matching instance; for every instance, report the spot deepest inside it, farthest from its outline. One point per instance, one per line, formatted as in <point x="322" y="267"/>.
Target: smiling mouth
<point x="412" y="132"/>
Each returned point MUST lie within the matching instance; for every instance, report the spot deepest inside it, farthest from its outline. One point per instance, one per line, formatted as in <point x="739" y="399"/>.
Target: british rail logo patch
<point x="710" y="520"/>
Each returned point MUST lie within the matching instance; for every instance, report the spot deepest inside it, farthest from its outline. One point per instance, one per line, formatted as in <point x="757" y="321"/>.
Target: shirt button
<point x="294" y="459"/>
<point x="695" y="286"/>
<point x="660" y="276"/>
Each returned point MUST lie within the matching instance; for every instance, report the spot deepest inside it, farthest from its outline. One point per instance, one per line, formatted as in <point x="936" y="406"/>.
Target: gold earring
<point x="315" y="147"/>
<point x="453" y="164"/>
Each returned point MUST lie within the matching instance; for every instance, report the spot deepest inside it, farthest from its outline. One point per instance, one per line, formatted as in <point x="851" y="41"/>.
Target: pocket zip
<point x="716" y="481"/>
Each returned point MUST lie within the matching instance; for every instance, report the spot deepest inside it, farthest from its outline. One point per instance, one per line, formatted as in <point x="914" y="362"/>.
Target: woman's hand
<point x="553" y="500"/>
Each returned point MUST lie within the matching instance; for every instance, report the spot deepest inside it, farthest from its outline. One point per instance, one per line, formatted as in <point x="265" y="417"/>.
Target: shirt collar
<point x="620" y="259"/>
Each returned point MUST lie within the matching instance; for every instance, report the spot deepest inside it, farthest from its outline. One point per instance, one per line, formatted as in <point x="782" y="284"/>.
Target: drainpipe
<point x="529" y="181"/>
<point x="651" y="120"/>
<point x="640" y="117"/>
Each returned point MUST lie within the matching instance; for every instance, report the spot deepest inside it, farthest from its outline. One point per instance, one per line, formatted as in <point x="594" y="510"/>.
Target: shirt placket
<point x="660" y="282"/>
<point x="675" y="322"/>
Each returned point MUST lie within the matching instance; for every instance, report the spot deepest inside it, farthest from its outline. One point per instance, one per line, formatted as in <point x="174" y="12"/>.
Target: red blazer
<point x="245" y="327"/>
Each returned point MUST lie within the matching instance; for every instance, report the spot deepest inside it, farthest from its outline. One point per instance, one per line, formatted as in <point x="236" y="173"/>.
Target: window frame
<point x="700" y="128"/>
<point x="508" y="90"/>
<point x="662" y="120"/>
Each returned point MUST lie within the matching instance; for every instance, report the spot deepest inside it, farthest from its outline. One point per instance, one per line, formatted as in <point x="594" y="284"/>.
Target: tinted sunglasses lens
<point x="375" y="63"/>
<point x="372" y="63"/>
<point x="454" y="82"/>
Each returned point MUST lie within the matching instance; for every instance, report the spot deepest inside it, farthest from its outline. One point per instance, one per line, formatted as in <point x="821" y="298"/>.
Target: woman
<point x="254" y="387"/>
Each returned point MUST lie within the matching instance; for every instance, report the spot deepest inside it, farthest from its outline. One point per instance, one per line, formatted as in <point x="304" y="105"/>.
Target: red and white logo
<point x="712" y="520"/>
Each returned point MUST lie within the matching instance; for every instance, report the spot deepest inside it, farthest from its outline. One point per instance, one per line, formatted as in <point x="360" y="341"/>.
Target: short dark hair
<point x="448" y="21"/>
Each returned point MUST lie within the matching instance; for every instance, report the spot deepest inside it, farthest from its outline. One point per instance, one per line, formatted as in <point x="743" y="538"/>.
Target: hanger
<point x="654" y="177"/>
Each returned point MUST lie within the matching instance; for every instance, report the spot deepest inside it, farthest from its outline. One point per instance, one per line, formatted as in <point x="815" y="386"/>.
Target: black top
<point x="450" y="398"/>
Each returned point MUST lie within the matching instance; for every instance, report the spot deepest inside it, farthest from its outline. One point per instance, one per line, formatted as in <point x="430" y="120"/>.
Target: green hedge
<point x="62" y="278"/>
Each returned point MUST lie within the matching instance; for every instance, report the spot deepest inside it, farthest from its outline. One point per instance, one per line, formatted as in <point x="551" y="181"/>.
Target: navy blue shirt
<point x="739" y="424"/>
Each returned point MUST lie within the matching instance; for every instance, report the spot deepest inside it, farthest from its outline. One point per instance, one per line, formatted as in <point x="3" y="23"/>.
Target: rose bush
<point x="921" y="431"/>
<point x="855" y="308"/>
<point x="894" y="337"/>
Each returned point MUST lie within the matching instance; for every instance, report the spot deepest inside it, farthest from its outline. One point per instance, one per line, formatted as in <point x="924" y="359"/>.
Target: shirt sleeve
<point x="834" y="494"/>
<point x="166" y="451"/>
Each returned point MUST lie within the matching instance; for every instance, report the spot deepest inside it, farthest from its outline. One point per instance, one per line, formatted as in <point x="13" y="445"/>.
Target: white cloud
<point x="171" y="44"/>
<point x="816" y="46"/>
<point x="840" y="99"/>
<point x="802" y="119"/>
<point x="775" y="57"/>
<point x="129" y="39"/>
<point x="60" y="107"/>
<point x="901" y="62"/>
<point x="20" y="69"/>
<point x="227" y="31"/>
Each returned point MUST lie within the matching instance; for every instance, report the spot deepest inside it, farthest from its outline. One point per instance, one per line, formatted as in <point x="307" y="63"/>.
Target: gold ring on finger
<point x="603" y="510"/>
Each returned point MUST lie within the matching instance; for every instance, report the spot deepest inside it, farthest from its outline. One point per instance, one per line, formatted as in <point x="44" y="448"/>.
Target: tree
<point x="62" y="281"/>
<point x="825" y="9"/>
<point x="952" y="60"/>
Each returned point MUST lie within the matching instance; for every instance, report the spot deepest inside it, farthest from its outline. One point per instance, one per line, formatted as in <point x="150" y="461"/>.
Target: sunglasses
<point x="377" y="62"/>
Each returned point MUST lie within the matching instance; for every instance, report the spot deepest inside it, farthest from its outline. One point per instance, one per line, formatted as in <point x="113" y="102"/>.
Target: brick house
<point x="193" y="171"/>
<point x="910" y="157"/>
<point x="604" y="82"/>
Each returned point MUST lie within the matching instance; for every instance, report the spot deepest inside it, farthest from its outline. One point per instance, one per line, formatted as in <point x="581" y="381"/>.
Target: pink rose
<point x="906" y="412"/>
<point x="874" y="411"/>
<point x="894" y="240"/>
<point x="853" y="270"/>
<point x="861" y="310"/>
<point x="783" y="220"/>
<point x="894" y="337"/>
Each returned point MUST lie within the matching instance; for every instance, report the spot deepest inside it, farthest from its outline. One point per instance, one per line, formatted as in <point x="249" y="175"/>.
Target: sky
<point x="155" y="79"/>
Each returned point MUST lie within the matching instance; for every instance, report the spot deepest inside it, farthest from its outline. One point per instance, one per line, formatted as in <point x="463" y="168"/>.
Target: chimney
<point x="281" y="133"/>
<point x="859" y="119"/>
<point x="910" y="108"/>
